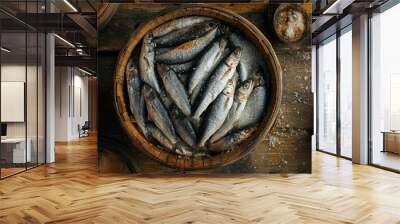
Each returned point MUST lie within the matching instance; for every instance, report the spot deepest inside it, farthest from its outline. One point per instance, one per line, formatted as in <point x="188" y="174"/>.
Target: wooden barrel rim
<point x="200" y="162"/>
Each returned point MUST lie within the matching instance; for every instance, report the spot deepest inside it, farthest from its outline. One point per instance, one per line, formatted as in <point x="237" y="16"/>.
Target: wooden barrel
<point x="247" y="29"/>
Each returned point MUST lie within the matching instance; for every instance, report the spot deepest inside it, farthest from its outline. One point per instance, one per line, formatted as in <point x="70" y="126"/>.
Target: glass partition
<point x="327" y="96"/>
<point x="346" y="93"/>
<point x="22" y="77"/>
<point x="385" y="89"/>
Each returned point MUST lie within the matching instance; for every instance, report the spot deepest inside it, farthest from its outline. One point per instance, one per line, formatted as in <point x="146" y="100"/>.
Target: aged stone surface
<point x="287" y="149"/>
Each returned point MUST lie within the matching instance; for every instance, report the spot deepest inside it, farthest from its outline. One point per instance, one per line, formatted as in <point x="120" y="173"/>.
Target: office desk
<point x="13" y="150"/>
<point x="391" y="141"/>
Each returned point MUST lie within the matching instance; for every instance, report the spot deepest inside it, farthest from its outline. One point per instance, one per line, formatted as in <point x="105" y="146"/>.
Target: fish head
<point x="246" y="133"/>
<point x="229" y="88"/>
<point x="148" y="92"/>
<point x="234" y="57"/>
<point x="148" y="39"/>
<point x="211" y="24"/>
<point x="130" y="69"/>
<point x="243" y="93"/>
<point x="222" y="43"/>
<point x="223" y="29"/>
<point x="258" y="78"/>
<point x="163" y="70"/>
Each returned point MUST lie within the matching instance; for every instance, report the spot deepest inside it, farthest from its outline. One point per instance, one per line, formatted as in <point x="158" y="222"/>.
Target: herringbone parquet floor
<point x="70" y="191"/>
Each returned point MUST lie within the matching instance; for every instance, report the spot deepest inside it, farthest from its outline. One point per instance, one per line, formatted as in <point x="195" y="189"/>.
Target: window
<point x="385" y="89"/>
<point x="327" y="96"/>
<point x="346" y="92"/>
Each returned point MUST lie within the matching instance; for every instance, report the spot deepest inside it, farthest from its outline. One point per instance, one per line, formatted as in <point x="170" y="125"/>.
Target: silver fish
<point x="178" y="24"/>
<point x="231" y="141"/>
<point x="185" y="34"/>
<point x="158" y="114"/>
<point x="207" y="63"/>
<point x="165" y="99"/>
<point x="184" y="78"/>
<point x="251" y="56"/>
<point x="218" y="111"/>
<point x="254" y="109"/>
<point x="184" y="128"/>
<point x="188" y="50"/>
<point x="136" y="101"/>
<point x="184" y="67"/>
<point x="196" y="91"/>
<point x="146" y="63"/>
<point x="218" y="81"/>
<point x="160" y="137"/>
<point x="174" y="88"/>
<point x="183" y="149"/>
<point x="239" y="103"/>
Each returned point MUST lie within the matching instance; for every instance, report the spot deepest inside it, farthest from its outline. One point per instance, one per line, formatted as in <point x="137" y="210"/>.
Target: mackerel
<point x="218" y="81"/>
<point x="239" y="103"/>
<point x="185" y="34"/>
<point x="231" y="141"/>
<point x="188" y="50"/>
<point x="184" y="128"/>
<point x="174" y="88"/>
<point x="178" y="24"/>
<point x="158" y="114"/>
<point x="160" y="137"/>
<point x="136" y="101"/>
<point x="218" y="111"/>
<point x="146" y="63"/>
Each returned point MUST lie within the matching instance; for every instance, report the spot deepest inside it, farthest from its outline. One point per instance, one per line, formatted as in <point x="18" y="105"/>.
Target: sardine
<point x="207" y="63"/>
<point x="174" y="88"/>
<point x="218" y="81"/>
<point x="185" y="34"/>
<point x="178" y="24"/>
<point x="183" y="127"/>
<point x="201" y="85"/>
<point x="184" y="78"/>
<point x="251" y="57"/>
<point x="239" y="103"/>
<point x="136" y="101"/>
<point x="183" y="149"/>
<point x="231" y="141"/>
<point x="158" y="114"/>
<point x="160" y="137"/>
<point x="184" y="67"/>
<point x="146" y="63"/>
<point x="188" y="50"/>
<point x="165" y="99"/>
<point x="218" y="111"/>
<point x="254" y="109"/>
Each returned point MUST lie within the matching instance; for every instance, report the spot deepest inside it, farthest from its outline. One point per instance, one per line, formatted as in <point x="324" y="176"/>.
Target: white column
<point x="50" y="100"/>
<point x="360" y="90"/>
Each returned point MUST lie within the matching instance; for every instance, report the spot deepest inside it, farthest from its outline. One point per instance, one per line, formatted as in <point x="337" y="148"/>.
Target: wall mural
<point x="199" y="88"/>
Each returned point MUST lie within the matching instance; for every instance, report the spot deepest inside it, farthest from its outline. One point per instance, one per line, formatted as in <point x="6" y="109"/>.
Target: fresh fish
<point x="158" y="114"/>
<point x="136" y="101"/>
<point x="146" y="63"/>
<point x="178" y="24"/>
<point x="239" y="103"/>
<point x="183" y="149"/>
<point x="184" y="78"/>
<point x="184" y="67"/>
<point x="201" y="84"/>
<point x="251" y="56"/>
<point x="231" y="141"/>
<point x="254" y="109"/>
<point x="218" y="81"/>
<point x="165" y="99"/>
<point x="207" y="63"/>
<point x="218" y="111"/>
<point x="160" y="137"/>
<point x="174" y="88"/>
<point x="185" y="34"/>
<point x="184" y="128"/>
<point x="188" y="50"/>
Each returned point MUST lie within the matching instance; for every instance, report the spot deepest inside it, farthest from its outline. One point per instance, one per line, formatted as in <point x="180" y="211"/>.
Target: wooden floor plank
<point x="71" y="191"/>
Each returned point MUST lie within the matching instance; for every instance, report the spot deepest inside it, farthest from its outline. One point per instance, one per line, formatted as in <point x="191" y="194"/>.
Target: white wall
<point x="71" y="102"/>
